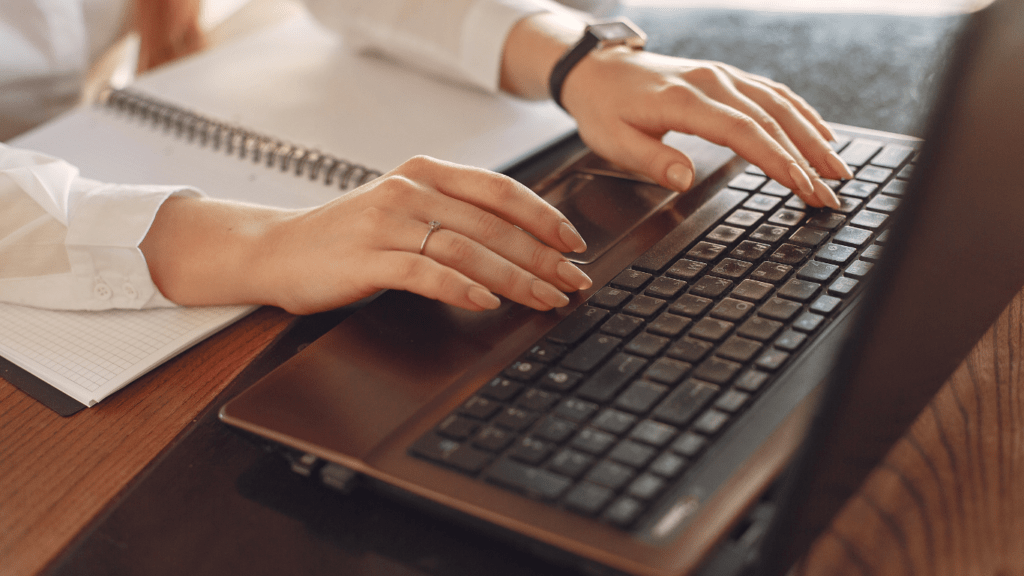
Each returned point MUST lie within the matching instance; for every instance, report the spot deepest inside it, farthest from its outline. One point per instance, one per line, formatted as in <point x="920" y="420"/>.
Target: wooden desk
<point x="947" y="500"/>
<point x="57" y="474"/>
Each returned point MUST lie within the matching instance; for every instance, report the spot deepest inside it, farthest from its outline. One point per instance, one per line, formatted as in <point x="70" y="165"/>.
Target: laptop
<point x="740" y="365"/>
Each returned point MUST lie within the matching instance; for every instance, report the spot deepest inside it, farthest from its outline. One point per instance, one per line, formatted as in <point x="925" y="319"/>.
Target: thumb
<point x="647" y="156"/>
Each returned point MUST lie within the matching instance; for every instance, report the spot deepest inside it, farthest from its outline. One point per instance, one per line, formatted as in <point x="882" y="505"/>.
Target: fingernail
<point x="483" y="298"/>
<point x="826" y="195"/>
<point x="548" y="294"/>
<point x="803" y="182"/>
<point x="839" y="165"/>
<point x="573" y="276"/>
<point x="680" y="177"/>
<point x="572" y="238"/>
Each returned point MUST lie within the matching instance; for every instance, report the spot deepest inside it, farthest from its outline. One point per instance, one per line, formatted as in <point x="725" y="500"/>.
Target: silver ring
<point x="434" y="225"/>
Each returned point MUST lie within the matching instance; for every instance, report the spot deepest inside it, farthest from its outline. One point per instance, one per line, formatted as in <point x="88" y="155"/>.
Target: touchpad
<point x="604" y="208"/>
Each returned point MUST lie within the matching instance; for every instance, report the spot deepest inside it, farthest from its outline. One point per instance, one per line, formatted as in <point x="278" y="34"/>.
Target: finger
<point x="804" y="135"/>
<point x="509" y="242"/>
<point x="401" y="270"/>
<point x="641" y="153"/>
<point x="801" y="105"/>
<point x="501" y="196"/>
<point x="476" y="262"/>
<point x="695" y="113"/>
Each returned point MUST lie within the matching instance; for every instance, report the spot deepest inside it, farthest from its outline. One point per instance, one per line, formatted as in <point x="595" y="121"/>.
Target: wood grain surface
<point x="57" y="474"/>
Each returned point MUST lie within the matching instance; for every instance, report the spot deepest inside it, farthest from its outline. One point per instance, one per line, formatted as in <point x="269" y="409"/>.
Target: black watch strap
<point x="620" y="32"/>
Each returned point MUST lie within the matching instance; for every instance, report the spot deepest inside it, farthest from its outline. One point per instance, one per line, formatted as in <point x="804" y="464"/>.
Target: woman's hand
<point x="496" y="237"/>
<point x="625" y="101"/>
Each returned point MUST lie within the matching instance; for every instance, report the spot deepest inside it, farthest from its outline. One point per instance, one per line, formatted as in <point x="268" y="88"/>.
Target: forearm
<point x="208" y="252"/>
<point x="531" y="50"/>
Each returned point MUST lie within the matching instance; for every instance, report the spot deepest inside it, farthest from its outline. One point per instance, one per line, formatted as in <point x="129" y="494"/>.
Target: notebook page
<point x="89" y="355"/>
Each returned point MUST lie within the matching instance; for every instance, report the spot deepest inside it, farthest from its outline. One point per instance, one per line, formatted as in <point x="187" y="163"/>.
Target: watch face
<point x="617" y="33"/>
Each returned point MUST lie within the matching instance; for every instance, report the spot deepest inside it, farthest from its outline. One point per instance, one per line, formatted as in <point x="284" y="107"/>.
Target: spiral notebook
<point x="287" y="117"/>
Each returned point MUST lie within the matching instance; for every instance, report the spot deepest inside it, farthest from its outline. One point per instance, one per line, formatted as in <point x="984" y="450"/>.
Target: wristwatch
<point x="619" y="32"/>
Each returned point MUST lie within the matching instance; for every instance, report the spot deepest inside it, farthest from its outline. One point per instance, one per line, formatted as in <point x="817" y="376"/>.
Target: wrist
<point x="609" y="35"/>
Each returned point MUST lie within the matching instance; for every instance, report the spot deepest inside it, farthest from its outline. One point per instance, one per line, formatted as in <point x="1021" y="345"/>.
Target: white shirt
<point x="71" y="243"/>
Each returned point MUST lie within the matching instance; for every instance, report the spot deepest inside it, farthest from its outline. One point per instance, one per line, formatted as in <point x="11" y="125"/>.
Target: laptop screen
<point x="953" y="263"/>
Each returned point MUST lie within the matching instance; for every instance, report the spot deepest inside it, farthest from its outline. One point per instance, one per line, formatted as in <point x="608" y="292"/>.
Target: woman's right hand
<point x="495" y="237"/>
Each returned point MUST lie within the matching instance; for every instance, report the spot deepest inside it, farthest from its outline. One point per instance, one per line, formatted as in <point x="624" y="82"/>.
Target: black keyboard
<point x="623" y="395"/>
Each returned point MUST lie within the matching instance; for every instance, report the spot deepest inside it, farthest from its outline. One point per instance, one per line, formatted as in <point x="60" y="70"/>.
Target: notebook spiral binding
<point x="235" y="140"/>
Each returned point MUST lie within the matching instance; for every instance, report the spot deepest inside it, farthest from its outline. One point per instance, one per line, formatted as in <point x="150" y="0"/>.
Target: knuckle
<point x="500" y="188"/>
<point x="460" y="251"/>
<point x="489" y="226"/>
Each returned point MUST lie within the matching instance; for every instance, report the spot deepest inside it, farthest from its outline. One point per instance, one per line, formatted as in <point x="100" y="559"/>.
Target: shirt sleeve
<point x="458" y="39"/>
<point x="72" y="243"/>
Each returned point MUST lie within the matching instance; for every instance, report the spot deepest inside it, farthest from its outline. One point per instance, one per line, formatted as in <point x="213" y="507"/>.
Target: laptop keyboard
<point x="620" y="398"/>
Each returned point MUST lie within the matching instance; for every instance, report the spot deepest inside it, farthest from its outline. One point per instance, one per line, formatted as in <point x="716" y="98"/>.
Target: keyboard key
<point x="644" y="306"/>
<point x="787" y="217"/>
<point x="872" y="253"/>
<point x="799" y="290"/>
<point x="632" y="453"/>
<point x="576" y="410"/>
<point x="525" y="371"/>
<point x="640" y="396"/>
<point x="590" y="352"/>
<point x="826" y="304"/>
<point x="883" y="203"/>
<point x="790" y="340"/>
<point x="606" y="382"/>
<point x="717" y="370"/>
<point x="480" y="407"/>
<point x="848" y="205"/>
<point x="732" y="310"/>
<point x="631" y="280"/>
<point x="858" y="189"/>
<point x="843" y="286"/>
<point x="826" y="220"/>
<point x="768" y="233"/>
<point x="739" y="348"/>
<point x="647" y="345"/>
<point x="686" y="269"/>
<point x="731" y="400"/>
<point x="809" y="237"/>
<point x="614" y="421"/>
<point x="665" y="287"/>
<point x="747" y="182"/>
<point x="710" y="286"/>
<point x="817" y="271"/>
<point x="577" y="324"/>
<point x="895" y="188"/>
<point x="779" y="309"/>
<point x="860" y="151"/>
<point x="588" y="498"/>
<point x="653" y="433"/>
<point x="744" y="218"/>
<point x="554" y="429"/>
<point x="869" y="219"/>
<point x="560" y="379"/>
<point x="593" y="441"/>
<point x="711" y="329"/>
<point x="515" y="418"/>
<point x="835" y="253"/>
<point x="609" y="297"/>
<point x="762" y="202"/>
<point x="683" y="403"/>
<point x="667" y="370"/>
<point x="808" y="322"/>
<point x="446" y="451"/>
<point x="858" y="269"/>
<point x="537" y="399"/>
<point x="645" y="487"/>
<point x="689" y="349"/>
<point x="532" y="481"/>
<point x="668" y="324"/>
<point x="668" y="465"/>
<point x="776" y="189"/>
<point x="725" y="234"/>
<point x="874" y="174"/>
<point x="457" y="427"/>
<point x="771" y="272"/>
<point x="570" y="463"/>
<point x="749" y="251"/>
<point x="710" y="422"/>
<point x="610" y="474"/>
<point x="758" y="328"/>
<point x="501" y="389"/>
<point x="689" y="444"/>
<point x="690" y="305"/>
<point x="751" y="290"/>
<point x="493" y="439"/>
<point x="530" y="450"/>
<point x="705" y="251"/>
<point x="731" y="268"/>
<point x="772" y="359"/>
<point x="751" y="380"/>
<point x="892" y="156"/>
<point x="853" y="236"/>
<point x="790" y="254"/>
<point x="623" y="512"/>
<point x="622" y="326"/>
